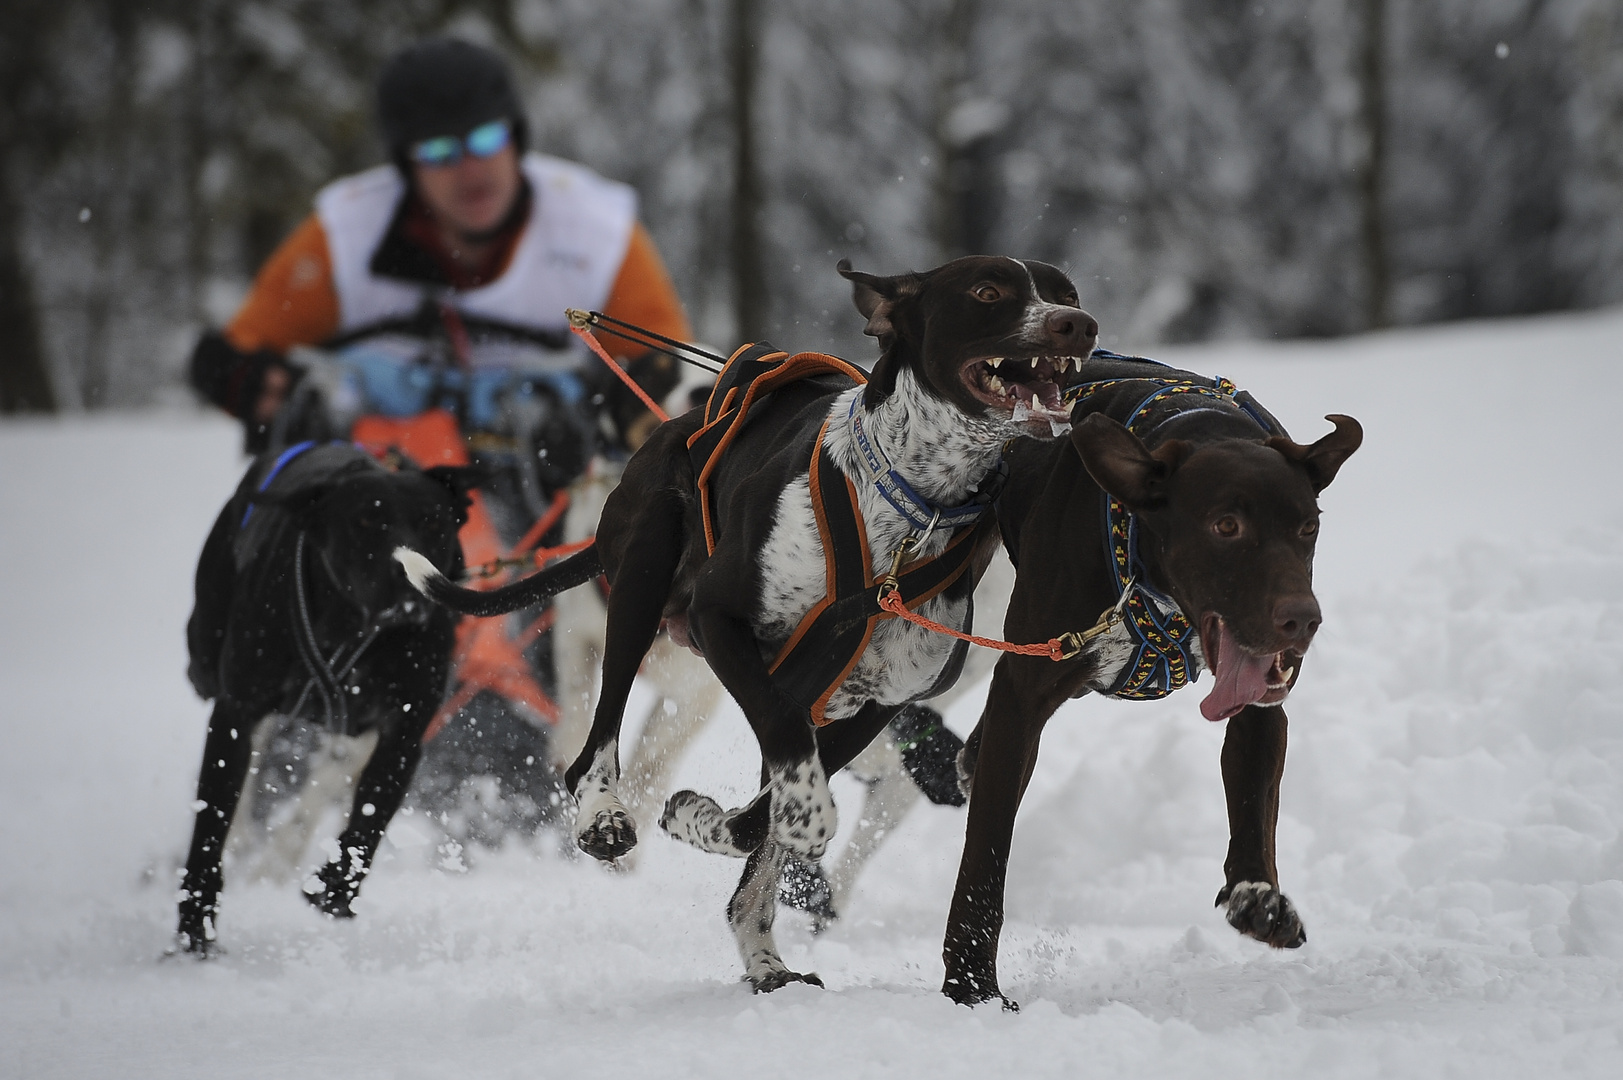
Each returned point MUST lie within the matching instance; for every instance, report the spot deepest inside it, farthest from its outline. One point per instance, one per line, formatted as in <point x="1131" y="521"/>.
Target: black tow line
<point x="325" y="675"/>
<point x="648" y="339"/>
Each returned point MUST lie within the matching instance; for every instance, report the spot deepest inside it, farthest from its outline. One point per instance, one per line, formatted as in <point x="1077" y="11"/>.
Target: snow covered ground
<point x="1450" y="828"/>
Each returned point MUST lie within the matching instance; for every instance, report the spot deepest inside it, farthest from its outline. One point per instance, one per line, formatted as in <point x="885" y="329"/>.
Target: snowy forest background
<point x="1204" y="168"/>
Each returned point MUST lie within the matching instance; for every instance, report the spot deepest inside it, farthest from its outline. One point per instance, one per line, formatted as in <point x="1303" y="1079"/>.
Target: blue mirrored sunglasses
<point x="482" y="142"/>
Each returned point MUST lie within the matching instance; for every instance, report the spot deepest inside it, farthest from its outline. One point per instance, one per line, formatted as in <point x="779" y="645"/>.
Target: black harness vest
<point x="830" y="638"/>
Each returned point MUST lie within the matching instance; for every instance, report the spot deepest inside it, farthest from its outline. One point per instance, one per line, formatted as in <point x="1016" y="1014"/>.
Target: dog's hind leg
<point x="1253" y="764"/>
<point x="642" y="583"/>
<point x="227" y="750"/>
<point x="378" y="794"/>
<point x="750" y="914"/>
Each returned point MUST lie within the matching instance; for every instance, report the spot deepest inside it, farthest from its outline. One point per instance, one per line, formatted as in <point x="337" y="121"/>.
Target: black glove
<point x="233" y="380"/>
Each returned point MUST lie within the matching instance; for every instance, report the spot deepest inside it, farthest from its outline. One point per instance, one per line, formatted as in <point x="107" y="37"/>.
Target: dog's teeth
<point x="1035" y="360"/>
<point x="995" y="384"/>
<point x="1285" y="676"/>
<point x="1077" y="360"/>
<point x="994" y="361"/>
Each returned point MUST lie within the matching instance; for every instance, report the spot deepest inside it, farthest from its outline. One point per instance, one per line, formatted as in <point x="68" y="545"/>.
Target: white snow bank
<point x="1450" y="828"/>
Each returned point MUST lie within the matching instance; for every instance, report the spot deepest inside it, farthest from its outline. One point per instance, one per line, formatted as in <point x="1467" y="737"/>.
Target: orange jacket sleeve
<point x="644" y="296"/>
<point x="293" y="301"/>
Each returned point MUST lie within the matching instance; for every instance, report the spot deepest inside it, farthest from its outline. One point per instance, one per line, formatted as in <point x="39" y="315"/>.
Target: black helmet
<point x="442" y="86"/>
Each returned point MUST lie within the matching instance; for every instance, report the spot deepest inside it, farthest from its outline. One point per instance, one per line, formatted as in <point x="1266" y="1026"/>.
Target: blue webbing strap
<point x="282" y="459"/>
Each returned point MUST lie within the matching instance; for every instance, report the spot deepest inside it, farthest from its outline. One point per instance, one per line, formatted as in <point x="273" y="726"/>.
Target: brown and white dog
<point x="974" y="354"/>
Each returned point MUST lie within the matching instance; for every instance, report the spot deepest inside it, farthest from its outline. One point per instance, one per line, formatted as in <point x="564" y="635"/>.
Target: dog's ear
<point x="878" y="298"/>
<point x="1120" y="463"/>
<point x="1324" y="458"/>
<point x="459" y="480"/>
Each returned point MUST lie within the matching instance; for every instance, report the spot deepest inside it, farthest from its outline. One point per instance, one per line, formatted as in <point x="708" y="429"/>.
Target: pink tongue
<point x="1240" y="678"/>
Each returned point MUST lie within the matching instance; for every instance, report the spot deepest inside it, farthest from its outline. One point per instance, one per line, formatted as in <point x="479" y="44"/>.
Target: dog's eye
<point x="1227" y="526"/>
<point x="987" y="293"/>
<point x="1310" y="528"/>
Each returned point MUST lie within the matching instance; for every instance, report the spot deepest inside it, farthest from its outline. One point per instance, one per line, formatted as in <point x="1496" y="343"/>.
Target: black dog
<point x="301" y="609"/>
<point x="1212" y="536"/>
<point x="728" y="551"/>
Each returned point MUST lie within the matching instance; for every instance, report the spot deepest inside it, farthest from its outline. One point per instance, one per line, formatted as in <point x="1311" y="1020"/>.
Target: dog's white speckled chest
<point x="944" y="455"/>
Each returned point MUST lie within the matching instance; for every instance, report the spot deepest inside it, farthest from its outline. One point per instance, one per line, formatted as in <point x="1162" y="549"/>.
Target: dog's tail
<point x="578" y="569"/>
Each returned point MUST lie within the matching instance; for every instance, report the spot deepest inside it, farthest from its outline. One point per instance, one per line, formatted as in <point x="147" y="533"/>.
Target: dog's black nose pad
<point x="1297" y="617"/>
<point x="1072" y="327"/>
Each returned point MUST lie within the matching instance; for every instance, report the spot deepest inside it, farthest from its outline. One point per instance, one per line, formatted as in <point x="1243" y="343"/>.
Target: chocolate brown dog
<point x="1210" y="542"/>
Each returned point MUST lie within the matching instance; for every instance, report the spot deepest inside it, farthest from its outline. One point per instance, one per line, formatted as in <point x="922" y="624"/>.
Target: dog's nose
<point x="1297" y="618"/>
<point x="1072" y="329"/>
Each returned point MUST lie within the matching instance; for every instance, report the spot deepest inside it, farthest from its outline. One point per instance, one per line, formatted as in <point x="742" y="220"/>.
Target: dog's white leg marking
<point x="603" y="827"/>
<point x="803" y="816"/>
<point x="700" y="820"/>
<point x="750" y="914"/>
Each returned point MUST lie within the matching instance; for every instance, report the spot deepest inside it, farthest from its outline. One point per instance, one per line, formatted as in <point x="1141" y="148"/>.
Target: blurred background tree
<point x="1203" y="168"/>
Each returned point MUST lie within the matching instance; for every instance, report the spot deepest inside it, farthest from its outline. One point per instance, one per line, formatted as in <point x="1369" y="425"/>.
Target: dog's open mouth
<point x="1028" y="388"/>
<point x="1241" y="676"/>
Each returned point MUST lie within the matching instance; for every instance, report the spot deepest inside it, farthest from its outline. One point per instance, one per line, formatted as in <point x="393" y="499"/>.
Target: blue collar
<point x="920" y="512"/>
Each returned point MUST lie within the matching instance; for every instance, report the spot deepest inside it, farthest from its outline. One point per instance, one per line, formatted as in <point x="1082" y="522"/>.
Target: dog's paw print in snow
<point x="1257" y="909"/>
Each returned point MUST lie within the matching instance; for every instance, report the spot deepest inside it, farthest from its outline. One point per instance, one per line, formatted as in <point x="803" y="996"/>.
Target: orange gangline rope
<point x="1053" y="648"/>
<point x="543" y="556"/>
<point x="592" y="343"/>
<point x="544" y="523"/>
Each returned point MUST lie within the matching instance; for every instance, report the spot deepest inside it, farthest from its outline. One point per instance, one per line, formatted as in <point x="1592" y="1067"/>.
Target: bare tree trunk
<point x="750" y="297"/>
<point x="25" y="383"/>
<point x="1372" y="75"/>
<point x="25" y="380"/>
<point x="957" y="224"/>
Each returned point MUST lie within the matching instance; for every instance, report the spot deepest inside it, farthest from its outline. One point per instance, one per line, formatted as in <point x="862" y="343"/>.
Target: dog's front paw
<point x="778" y="978"/>
<point x="972" y="992"/>
<point x="331" y="890"/>
<point x="195" y="944"/>
<point x="803" y="816"/>
<point x="607" y="835"/>
<point x="1257" y="909"/>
